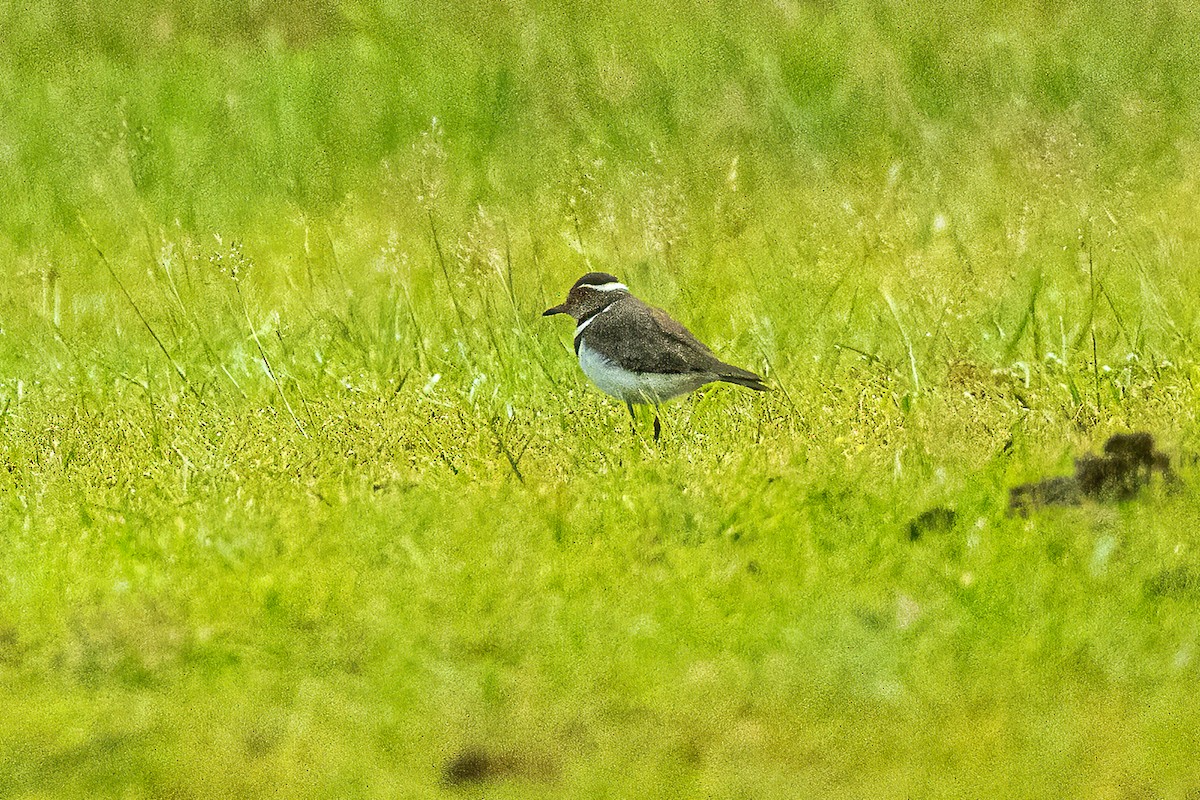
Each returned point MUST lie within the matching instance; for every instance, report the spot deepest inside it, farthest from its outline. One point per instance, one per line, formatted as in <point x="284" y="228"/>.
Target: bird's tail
<point x="742" y="377"/>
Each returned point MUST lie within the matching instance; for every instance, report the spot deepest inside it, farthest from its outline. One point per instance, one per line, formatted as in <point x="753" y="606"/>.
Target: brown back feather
<point x="647" y="339"/>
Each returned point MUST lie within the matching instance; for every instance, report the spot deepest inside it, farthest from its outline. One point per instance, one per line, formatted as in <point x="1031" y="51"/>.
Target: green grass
<point x="301" y="497"/>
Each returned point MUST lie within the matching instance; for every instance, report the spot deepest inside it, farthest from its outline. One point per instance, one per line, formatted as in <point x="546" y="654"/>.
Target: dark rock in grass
<point x="1137" y="447"/>
<point x="1129" y="463"/>
<point x="938" y="519"/>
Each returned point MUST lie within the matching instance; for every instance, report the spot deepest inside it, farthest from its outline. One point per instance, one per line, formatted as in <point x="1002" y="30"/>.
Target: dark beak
<point x="559" y="309"/>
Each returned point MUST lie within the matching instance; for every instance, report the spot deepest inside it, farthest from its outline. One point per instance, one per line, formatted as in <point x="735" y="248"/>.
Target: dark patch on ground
<point x="471" y="766"/>
<point x="1062" y="491"/>
<point x="10" y="646"/>
<point x="938" y="519"/>
<point x="477" y="765"/>
<point x="1128" y="464"/>
<point x="1174" y="582"/>
<point x="871" y="619"/>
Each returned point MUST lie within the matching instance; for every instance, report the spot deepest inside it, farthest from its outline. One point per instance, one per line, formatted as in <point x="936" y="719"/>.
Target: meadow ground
<point x="301" y="497"/>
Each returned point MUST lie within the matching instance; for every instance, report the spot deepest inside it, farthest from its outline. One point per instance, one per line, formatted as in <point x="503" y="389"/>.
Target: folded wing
<point x="653" y="342"/>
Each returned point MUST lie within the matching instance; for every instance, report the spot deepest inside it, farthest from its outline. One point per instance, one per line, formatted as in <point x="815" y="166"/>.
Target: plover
<point x="636" y="352"/>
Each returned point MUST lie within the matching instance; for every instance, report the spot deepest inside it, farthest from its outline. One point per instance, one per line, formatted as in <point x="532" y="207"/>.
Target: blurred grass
<point x="302" y="497"/>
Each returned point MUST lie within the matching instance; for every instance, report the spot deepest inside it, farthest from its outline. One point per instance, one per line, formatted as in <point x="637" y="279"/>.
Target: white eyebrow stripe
<point x="612" y="286"/>
<point x="590" y="320"/>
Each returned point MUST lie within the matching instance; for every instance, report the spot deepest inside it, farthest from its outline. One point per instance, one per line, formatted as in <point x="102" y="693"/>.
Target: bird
<point x="637" y="353"/>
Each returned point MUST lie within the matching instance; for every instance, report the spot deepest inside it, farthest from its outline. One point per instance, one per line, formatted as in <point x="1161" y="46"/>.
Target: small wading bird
<point x="637" y="353"/>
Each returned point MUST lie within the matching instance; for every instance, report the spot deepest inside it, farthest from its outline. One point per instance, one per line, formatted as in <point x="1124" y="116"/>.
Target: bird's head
<point x="591" y="292"/>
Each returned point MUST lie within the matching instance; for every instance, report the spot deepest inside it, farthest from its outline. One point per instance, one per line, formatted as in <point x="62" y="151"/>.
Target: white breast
<point x="633" y="387"/>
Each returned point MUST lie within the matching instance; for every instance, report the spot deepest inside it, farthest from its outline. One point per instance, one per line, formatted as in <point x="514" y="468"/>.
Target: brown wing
<point x="642" y="338"/>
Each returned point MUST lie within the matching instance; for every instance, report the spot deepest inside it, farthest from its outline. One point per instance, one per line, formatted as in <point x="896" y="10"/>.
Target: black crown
<point x="595" y="279"/>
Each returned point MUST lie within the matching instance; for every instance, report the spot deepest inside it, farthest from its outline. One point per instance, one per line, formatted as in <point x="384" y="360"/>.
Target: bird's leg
<point x="657" y="424"/>
<point x="632" y="418"/>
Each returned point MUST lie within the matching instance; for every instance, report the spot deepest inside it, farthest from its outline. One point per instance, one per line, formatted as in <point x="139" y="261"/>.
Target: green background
<point x="301" y="497"/>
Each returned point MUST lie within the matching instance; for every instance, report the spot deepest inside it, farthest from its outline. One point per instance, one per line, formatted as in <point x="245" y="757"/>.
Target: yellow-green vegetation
<point x="301" y="497"/>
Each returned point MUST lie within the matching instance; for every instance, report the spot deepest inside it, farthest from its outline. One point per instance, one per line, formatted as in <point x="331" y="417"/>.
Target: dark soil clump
<point x="1128" y="464"/>
<point x="936" y="520"/>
